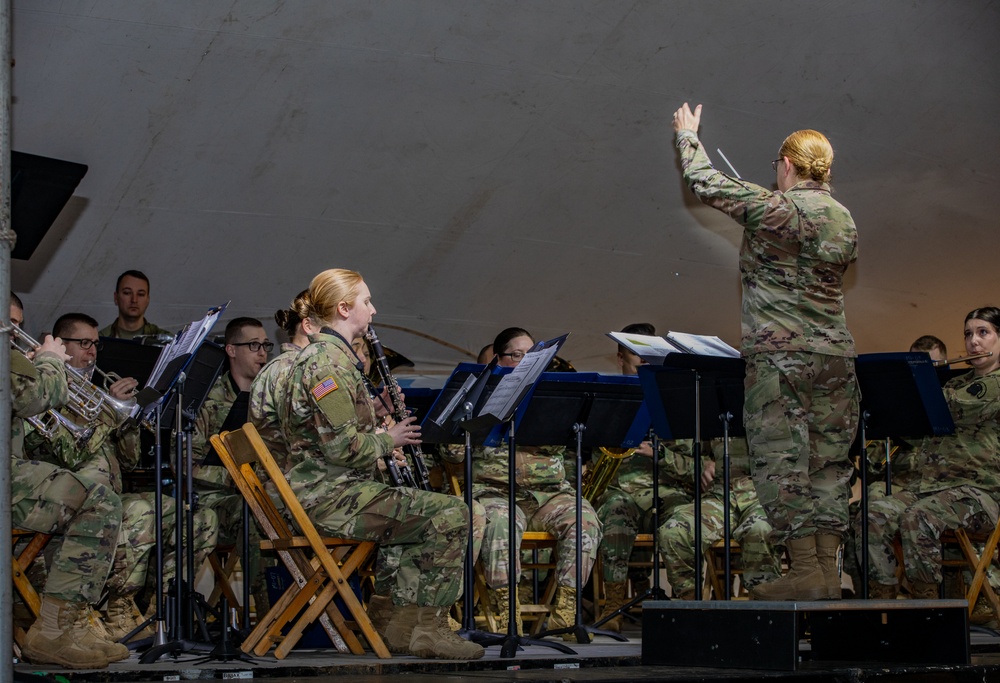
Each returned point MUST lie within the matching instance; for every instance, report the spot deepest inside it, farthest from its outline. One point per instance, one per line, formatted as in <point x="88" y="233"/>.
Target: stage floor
<point x="602" y="660"/>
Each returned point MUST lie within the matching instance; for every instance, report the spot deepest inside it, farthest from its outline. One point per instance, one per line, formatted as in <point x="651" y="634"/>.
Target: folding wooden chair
<point x="36" y="543"/>
<point x="320" y="567"/>
<point x="715" y="559"/>
<point x="977" y="563"/>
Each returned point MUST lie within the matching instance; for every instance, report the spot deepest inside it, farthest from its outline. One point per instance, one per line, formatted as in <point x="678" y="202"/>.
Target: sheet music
<point x="186" y="342"/>
<point x="512" y="387"/>
<point x="654" y="349"/>
<point x="453" y="403"/>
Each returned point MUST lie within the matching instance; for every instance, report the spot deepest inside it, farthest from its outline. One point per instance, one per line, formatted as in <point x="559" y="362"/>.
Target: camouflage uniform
<point x="959" y="485"/>
<point x="99" y="462"/>
<point x="148" y="329"/>
<point x="801" y="410"/>
<point x="265" y="395"/>
<point x="328" y="419"/>
<point x="748" y="525"/>
<point x="48" y="499"/>
<point x="545" y="502"/>
<point x="626" y="508"/>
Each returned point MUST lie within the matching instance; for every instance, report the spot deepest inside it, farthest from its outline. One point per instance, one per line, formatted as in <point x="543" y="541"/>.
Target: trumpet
<point x="48" y="423"/>
<point x="86" y="399"/>
<point x="110" y="378"/>
<point x="961" y="359"/>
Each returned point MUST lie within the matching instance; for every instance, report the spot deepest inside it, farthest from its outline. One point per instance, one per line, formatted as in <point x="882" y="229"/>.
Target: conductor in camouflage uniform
<point x="328" y="420"/>
<point x="51" y="500"/>
<point x="801" y="406"/>
<point x="958" y="475"/>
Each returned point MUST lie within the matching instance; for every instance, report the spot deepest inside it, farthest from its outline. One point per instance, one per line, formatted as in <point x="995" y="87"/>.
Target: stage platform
<point x="602" y="660"/>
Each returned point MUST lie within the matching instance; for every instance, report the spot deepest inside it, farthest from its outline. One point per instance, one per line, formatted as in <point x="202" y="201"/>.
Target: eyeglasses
<point x="256" y="346"/>
<point x="774" y="164"/>
<point x="86" y="343"/>
<point x="514" y="355"/>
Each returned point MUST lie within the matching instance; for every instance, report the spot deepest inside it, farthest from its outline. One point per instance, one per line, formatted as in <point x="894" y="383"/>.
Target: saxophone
<point x="596" y="479"/>
<point x="399" y="413"/>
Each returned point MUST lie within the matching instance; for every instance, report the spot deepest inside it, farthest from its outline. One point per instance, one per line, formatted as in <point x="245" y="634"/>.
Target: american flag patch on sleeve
<point x="325" y="387"/>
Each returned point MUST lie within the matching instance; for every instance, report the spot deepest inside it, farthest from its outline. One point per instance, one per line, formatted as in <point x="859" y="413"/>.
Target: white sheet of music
<point x="187" y="341"/>
<point x="654" y="349"/>
<point x="704" y="345"/>
<point x="511" y="388"/>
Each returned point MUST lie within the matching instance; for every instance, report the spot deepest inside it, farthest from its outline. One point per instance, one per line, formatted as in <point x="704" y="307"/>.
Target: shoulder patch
<point x="325" y="387"/>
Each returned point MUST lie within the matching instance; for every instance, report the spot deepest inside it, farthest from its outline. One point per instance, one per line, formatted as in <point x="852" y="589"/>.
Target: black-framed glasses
<point x="86" y="343"/>
<point x="256" y="346"/>
<point x="774" y="164"/>
<point x="515" y="356"/>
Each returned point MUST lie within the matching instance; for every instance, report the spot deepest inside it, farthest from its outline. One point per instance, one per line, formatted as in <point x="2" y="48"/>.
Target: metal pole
<point x="7" y="236"/>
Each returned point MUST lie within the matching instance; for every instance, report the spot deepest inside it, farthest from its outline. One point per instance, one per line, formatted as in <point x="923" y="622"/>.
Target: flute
<point x="961" y="359"/>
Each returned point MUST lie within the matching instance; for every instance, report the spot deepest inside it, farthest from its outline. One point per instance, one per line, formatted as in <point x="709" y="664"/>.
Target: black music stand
<point x="583" y="409"/>
<point x="678" y="393"/>
<point x="900" y="397"/>
<point x="465" y="392"/>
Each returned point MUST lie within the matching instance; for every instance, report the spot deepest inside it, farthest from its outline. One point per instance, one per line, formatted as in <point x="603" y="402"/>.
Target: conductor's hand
<point x="708" y="476"/>
<point x="53" y="345"/>
<point x="685" y="119"/>
<point x="124" y="388"/>
<point x="405" y="433"/>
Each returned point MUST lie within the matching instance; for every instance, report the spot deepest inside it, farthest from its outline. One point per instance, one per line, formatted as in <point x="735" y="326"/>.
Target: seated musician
<point x="52" y="500"/>
<point x="749" y="525"/>
<point x="626" y="508"/>
<point x="328" y="418"/>
<point x="99" y="459"/>
<point x="932" y="346"/>
<point x="545" y="502"/>
<point x="959" y="474"/>
<point x="225" y="408"/>
<point x="132" y="300"/>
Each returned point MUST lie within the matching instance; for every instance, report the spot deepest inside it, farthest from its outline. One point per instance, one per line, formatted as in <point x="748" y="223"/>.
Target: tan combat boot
<point x="432" y="637"/>
<point x="60" y="636"/>
<point x="400" y="628"/>
<point x="501" y="600"/>
<point x="924" y="591"/>
<point x="827" y="552"/>
<point x="122" y="617"/>
<point x="380" y="609"/>
<point x="882" y="591"/>
<point x="564" y="613"/>
<point x="614" y="598"/>
<point x="114" y="650"/>
<point x="804" y="581"/>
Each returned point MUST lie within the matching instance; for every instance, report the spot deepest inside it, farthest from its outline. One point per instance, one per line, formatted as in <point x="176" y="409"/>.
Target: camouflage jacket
<point x="328" y="418"/>
<point x="676" y="470"/>
<point x="739" y="466"/>
<point x="796" y="247"/>
<point x="540" y="472"/>
<point x="210" y="419"/>
<point x="266" y="394"/>
<point x="35" y="388"/>
<point x="970" y="456"/>
<point x="148" y="328"/>
<point x="99" y="460"/>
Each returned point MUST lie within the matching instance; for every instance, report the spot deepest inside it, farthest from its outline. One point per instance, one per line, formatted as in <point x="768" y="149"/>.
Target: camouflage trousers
<point x="137" y="538"/>
<point x="920" y="519"/>
<point x="226" y="510"/>
<point x="801" y="415"/>
<point x="622" y="518"/>
<point x="387" y="561"/>
<point x="429" y="528"/>
<point x="52" y="500"/>
<point x="748" y="525"/>
<point x="557" y="516"/>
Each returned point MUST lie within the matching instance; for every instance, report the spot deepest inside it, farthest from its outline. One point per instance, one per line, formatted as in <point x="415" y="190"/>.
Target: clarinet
<point x="399" y="412"/>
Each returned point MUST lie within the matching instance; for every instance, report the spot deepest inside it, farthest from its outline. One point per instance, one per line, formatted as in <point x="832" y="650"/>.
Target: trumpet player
<point x="49" y="499"/>
<point x="958" y="475"/>
<point x="99" y="461"/>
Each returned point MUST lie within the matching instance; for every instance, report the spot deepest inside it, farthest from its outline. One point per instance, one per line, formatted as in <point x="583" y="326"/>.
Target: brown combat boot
<point x="924" y="591"/>
<point x="501" y="601"/>
<point x="432" y="637"/>
<point x="564" y="613"/>
<point x="122" y="617"/>
<point x="60" y="636"/>
<point x="827" y="552"/>
<point x="804" y="581"/>
<point x="400" y="628"/>
<point x="380" y="609"/>
<point x="114" y="650"/>
<point x="882" y="591"/>
<point x="614" y="598"/>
